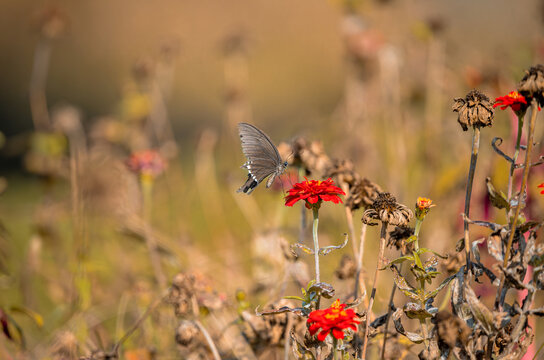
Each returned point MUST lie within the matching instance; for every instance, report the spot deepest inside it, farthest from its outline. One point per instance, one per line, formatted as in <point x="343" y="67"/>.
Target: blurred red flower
<point x="314" y="192"/>
<point x="146" y="163"/>
<point x="336" y="319"/>
<point x="541" y="186"/>
<point x="514" y="100"/>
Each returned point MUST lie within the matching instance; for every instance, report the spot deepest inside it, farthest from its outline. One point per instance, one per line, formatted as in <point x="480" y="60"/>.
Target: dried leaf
<point x="324" y="289"/>
<point x="413" y="337"/>
<point x="481" y="313"/>
<point x="415" y="311"/>
<point x="283" y="309"/>
<point x="494" y="247"/>
<point x="302" y="247"/>
<point x="403" y="285"/>
<point x="327" y="249"/>
<point x="300" y="351"/>
<point x="497" y="198"/>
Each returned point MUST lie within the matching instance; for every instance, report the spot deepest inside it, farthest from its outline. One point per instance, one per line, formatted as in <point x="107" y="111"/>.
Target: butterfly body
<point x="263" y="158"/>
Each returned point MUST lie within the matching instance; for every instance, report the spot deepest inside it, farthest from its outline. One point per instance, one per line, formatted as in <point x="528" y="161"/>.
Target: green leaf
<point x="418" y="260"/>
<point x="398" y="261"/>
<point x="444" y="283"/>
<point x="294" y="298"/>
<point x="37" y="318"/>
<point x="425" y="250"/>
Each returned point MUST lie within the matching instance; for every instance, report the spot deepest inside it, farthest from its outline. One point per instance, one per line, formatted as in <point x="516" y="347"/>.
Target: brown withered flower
<point x="386" y="209"/>
<point x="398" y="237"/>
<point x="362" y="194"/>
<point x="475" y="110"/>
<point x="532" y="84"/>
<point x="342" y="171"/>
<point x="310" y="156"/>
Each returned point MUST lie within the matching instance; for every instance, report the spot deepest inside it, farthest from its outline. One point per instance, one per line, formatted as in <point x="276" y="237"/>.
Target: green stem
<point x="335" y="348"/>
<point x="526" y="168"/>
<point x="316" y="243"/>
<point x="154" y="257"/>
<point x="383" y="233"/>
<point x="470" y="181"/>
<point x="515" y="157"/>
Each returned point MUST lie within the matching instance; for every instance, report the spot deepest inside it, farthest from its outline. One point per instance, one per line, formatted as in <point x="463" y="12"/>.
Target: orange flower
<point x="314" y="192"/>
<point x="423" y="206"/>
<point x="147" y="163"/>
<point x="336" y="319"/>
<point x="514" y="100"/>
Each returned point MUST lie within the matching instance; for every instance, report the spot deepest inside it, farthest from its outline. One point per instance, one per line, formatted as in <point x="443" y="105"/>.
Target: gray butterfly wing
<point x="263" y="158"/>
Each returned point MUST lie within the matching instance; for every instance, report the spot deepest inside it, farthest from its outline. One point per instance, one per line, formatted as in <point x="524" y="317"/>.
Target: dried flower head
<point x="147" y="163"/>
<point x="186" y="332"/>
<point x="310" y="156"/>
<point x="362" y="194"/>
<point x="314" y="192"/>
<point x="343" y="172"/>
<point x="335" y="319"/>
<point x="423" y="206"/>
<point x="386" y="209"/>
<point x="398" y="237"/>
<point x="532" y="84"/>
<point x="474" y="110"/>
<point x="513" y="100"/>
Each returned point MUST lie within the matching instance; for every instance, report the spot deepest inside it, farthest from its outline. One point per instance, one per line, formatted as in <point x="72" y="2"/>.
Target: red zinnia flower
<point x="541" y="186"/>
<point x="147" y="163"/>
<point x="336" y="319"/>
<point x="314" y="192"/>
<point x="514" y="100"/>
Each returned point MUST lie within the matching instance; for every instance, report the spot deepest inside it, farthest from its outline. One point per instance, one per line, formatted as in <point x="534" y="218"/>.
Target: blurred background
<point x="85" y="84"/>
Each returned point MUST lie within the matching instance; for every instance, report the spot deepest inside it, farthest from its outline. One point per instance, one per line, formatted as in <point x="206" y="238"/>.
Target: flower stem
<point x="515" y="157"/>
<point x="154" y="257"/>
<point x="316" y="243"/>
<point x="527" y="167"/>
<point x="373" y="293"/>
<point x="470" y="181"/>
<point x="335" y="348"/>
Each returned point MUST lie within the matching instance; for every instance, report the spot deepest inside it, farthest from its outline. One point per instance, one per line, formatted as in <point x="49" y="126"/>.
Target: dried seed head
<point x="532" y="84"/>
<point x="343" y="172"/>
<point x="474" y="110"/>
<point x="65" y="346"/>
<point x="346" y="269"/>
<point x="363" y="193"/>
<point x="386" y="209"/>
<point x="310" y="156"/>
<point x="186" y="332"/>
<point x="398" y="237"/>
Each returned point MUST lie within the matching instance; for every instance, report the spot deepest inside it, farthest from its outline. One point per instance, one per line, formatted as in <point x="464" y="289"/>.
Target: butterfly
<point x="263" y="158"/>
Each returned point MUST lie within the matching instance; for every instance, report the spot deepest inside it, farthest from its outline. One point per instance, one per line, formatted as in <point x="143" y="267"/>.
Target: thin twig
<point x="209" y="340"/>
<point x="150" y="308"/>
